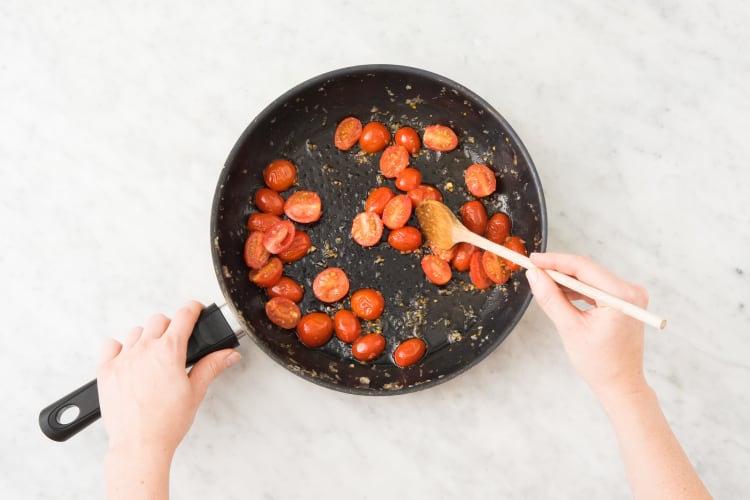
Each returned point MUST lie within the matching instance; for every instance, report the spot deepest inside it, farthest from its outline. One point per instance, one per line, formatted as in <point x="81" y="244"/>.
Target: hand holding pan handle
<point x="215" y="329"/>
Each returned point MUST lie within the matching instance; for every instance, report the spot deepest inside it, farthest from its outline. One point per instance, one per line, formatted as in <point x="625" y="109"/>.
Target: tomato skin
<point x="409" y="178"/>
<point x="315" y="329"/>
<point x="347" y="133"/>
<point x="378" y="199"/>
<point x="303" y="207"/>
<point x="408" y="138"/>
<point x="474" y="216"/>
<point x="255" y="253"/>
<point x="286" y="287"/>
<point x="368" y="347"/>
<point x="440" y="138"/>
<point x="397" y="212"/>
<point x="480" y="180"/>
<point x="462" y="259"/>
<point x="346" y="326"/>
<point x="367" y="303"/>
<point x="476" y="272"/>
<point x="280" y="175"/>
<point x="367" y="229"/>
<point x="331" y="285"/>
<point x="498" y="228"/>
<point x="409" y="352"/>
<point x="375" y="137"/>
<point x="269" y="201"/>
<point x="279" y="237"/>
<point x="269" y="274"/>
<point x="517" y="245"/>
<point x="261" y="221"/>
<point x="441" y="253"/>
<point x="424" y="192"/>
<point x="300" y="246"/>
<point x="436" y="269"/>
<point x="405" y="239"/>
<point x="495" y="268"/>
<point x="283" y="312"/>
<point x="393" y="161"/>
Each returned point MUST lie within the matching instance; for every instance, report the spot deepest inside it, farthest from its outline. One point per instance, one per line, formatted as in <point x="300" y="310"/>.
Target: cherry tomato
<point x="255" y="253"/>
<point x="279" y="237"/>
<point x="394" y="160"/>
<point x="300" y="246"/>
<point x="476" y="272"/>
<point x="378" y="199"/>
<point x="409" y="178"/>
<point x="346" y="325"/>
<point x="269" y="201"/>
<point x="495" y="268"/>
<point x="474" y="216"/>
<point x="269" y="274"/>
<point x="424" y="192"/>
<point x="443" y="254"/>
<point x="331" y="285"/>
<point x="283" y="312"/>
<point x="517" y="245"/>
<point x="462" y="259"/>
<point x="303" y="207"/>
<point x="367" y="303"/>
<point x="409" y="352"/>
<point x="408" y="138"/>
<point x="397" y="212"/>
<point x="440" y="138"/>
<point x="315" y="329"/>
<point x="375" y="137"/>
<point x="367" y="229"/>
<point x="368" y="347"/>
<point x="405" y="239"/>
<point x="480" y="180"/>
<point x="261" y="222"/>
<point x="347" y="133"/>
<point x="498" y="228"/>
<point x="280" y="175"/>
<point x="436" y="269"/>
<point x="286" y="287"/>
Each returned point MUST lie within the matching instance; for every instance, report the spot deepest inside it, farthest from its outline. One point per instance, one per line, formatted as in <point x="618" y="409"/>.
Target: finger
<point x="132" y="337"/>
<point x="155" y="326"/>
<point x="209" y="367"/>
<point x="181" y="326"/>
<point x="110" y="349"/>
<point x="552" y="300"/>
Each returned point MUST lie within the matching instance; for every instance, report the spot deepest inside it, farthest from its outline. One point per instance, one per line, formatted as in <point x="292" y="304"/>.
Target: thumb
<point x="209" y="367"/>
<point x="552" y="300"/>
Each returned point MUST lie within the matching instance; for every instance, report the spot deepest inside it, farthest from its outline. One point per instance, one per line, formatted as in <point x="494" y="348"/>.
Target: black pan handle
<point x="214" y="330"/>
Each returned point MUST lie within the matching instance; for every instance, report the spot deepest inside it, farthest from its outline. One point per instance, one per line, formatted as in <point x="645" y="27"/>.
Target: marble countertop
<point x="116" y="119"/>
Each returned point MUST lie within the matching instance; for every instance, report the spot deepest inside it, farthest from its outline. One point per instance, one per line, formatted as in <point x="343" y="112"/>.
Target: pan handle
<point x="215" y="329"/>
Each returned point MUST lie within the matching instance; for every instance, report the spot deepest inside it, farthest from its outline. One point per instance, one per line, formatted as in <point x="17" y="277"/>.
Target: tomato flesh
<point x="440" y="138"/>
<point x="286" y="287"/>
<point x="269" y="274"/>
<point x="255" y="253"/>
<point x="279" y="237"/>
<point x="303" y="207"/>
<point x="347" y="133"/>
<point x="495" y="268"/>
<point x="300" y="246"/>
<point x="261" y="221"/>
<point x="367" y="229"/>
<point x="424" y="192"/>
<point x="436" y="269"/>
<point x="480" y="180"/>
<point x="394" y="160"/>
<point x="476" y="272"/>
<point x="283" y="312"/>
<point x="331" y="285"/>
<point x="397" y="212"/>
<point x="517" y="245"/>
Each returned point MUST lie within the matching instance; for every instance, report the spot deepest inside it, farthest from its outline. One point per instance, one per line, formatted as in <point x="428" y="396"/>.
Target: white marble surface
<point x="115" y="120"/>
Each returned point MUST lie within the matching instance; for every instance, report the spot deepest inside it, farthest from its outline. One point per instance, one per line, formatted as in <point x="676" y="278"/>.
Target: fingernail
<point x="532" y="275"/>
<point x="232" y="358"/>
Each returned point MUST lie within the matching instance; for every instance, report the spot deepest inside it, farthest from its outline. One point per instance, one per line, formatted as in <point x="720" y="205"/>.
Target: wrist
<point x="616" y="393"/>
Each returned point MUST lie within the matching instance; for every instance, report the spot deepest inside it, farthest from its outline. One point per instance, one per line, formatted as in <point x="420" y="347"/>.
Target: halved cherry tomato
<point x="368" y="347"/>
<point x="424" y="192"/>
<point x="280" y="175"/>
<point x="474" y="216"/>
<point x="346" y="325"/>
<point x="269" y="274"/>
<point x="440" y="138"/>
<point x="375" y="137"/>
<point x="378" y="199"/>
<point x="409" y="352"/>
<point x="480" y="180"/>
<point x="255" y="253"/>
<point x="283" y="312"/>
<point x="315" y="329"/>
<point x="462" y="259"/>
<point x="517" y="245"/>
<point x="498" y="228"/>
<point x="279" y="237"/>
<point x="269" y="201"/>
<point x="405" y="239"/>
<point x="408" y="138"/>
<point x="397" y="212"/>
<point x="436" y="269"/>
<point x="367" y="303"/>
<point x="495" y="268"/>
<point x="300" y="246"/>
<point x="261" y="221"/>
<point x="286" y="287"/>
<point x="443" y="254"/>
<point x="347" y="133"/>
<point x="331" y="285"/>
<point x="476" y="272"/>
<point x="408" y="179"/>
<point x="303" y="207"/>
<point x="367" y="229"/>
<point x="394" y="160"/>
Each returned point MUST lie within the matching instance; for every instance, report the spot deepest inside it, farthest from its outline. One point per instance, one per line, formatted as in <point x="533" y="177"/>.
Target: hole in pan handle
<point x="215" y="329"/>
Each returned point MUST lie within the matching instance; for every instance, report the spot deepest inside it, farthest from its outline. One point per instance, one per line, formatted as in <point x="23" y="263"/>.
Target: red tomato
<point x="517" y="245"/>
<point x="394" y="160"/>
<point x="440" y="138"/>
<point x="476" y="272"/>
<point x="269" y="274"/>
<point x="474" y="216"/>
<point x="286" y="287"/>
<point x="315" y="329"/>
<point x="261" y="222"/>
<point x="443" y="254"/>
<point x="303" y="207"/>
<point x="346" y="325"/>
<point x="269" y="201"/>
<point x="498" y="228"/>
<point x="495" y="268"/>
<point x="409" y="352"/>
<point x="367" y="229"/>
<point x="378" y="199"/>
<point x="375" y="137"/>
<point x="283" y="312"/>
<point x="408" y="138"/>
<point x="397" y="212"/>
<point x="255" y="253"/>
<point x="300" y="246"/>
<point x="331" y="285"/>
<point x="424" y="192"/>
<point x="409" y="178"/>
<point x="280" y="175"/>
<point x="347" y="133"/>
<point x="368" y="347"/>
<point x="279" y="237"/>
<point x="405" y="239"/>
<point x="436" y="269"/>
<point x="480" y="180"/>
<point x="367" y="303"/>
<point x="462" y="259"/>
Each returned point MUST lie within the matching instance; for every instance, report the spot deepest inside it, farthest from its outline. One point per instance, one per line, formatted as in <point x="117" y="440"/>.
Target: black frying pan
<point x="460" y="325"/>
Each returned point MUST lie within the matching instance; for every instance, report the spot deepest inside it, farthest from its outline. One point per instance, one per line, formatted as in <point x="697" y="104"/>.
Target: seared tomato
<point x="397" y="212"/>
<point x="279" y="237"/>
<point x="286" y="287"/>
<point x="303" y="207"/>
<point x="346" y="325"/>
<point x="443" y="254"/>
<point x="347" y="133"/>
<point x="495" y="268"/>
<point x="476" y="272"/>
<point x="440" y="138"/>
<point x="367" y="229"/>
<point x="408" y="138"/>
<point x="409" y="352"/>
<point x="368" y="347"/>
<point x="474" y="216"/>
<point x="378" y="199"/>
<point x="424" y="192"/>
<point x="517" y="245"/>
<point x="261" y="222"/>
<point x="436" y="269"/>
<point x="375" y="137"/>
<point x="462" y="259"/>
<point x="300" y="246"/>
<point x="405" y="239"/>
<point x="280" y="175"/>
<point x="331" y="285"/>
<point x="269" y="274"/>
<point x="269" y="201"/>
<point x="367" y="303"/>
<point x="498" y="228"/>
<point x="255" y="253"/>
<point x="408" y="179"/>
<point x="393" y="161"/>
<point x="315" y="329"/>
<point x="480" y="180"/>
<point x="283" y="312"/>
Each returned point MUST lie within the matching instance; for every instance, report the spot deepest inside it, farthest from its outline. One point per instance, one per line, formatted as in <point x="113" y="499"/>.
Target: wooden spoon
<point x="442" y="228"/>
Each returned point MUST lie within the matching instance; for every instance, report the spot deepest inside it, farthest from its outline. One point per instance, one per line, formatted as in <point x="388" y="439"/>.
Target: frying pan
<point x="460" y="324"/>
